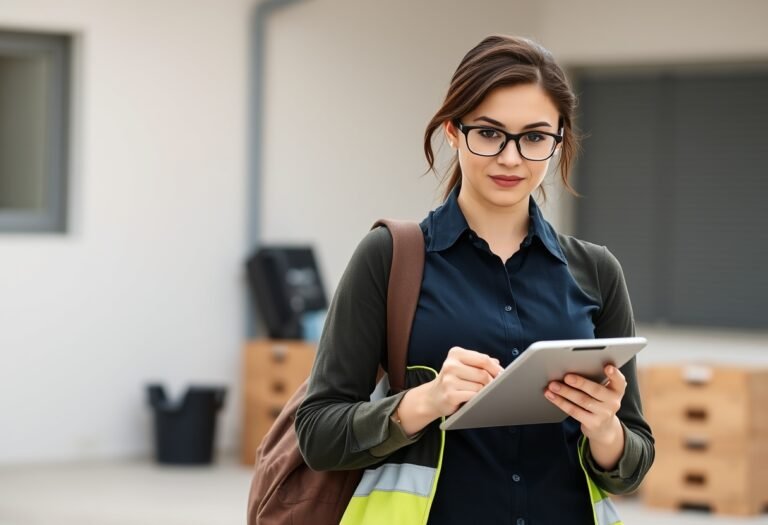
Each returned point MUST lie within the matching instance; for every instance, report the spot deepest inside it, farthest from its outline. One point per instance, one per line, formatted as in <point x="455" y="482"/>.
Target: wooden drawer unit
<point x="703" y="399"/>
<point x="729" y="478"/>
<point x="711" y="431"/>
<point x="272" y="371"/>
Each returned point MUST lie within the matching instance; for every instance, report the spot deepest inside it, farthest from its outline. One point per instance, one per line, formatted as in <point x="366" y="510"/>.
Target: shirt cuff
<point x="377" y="431"/>
<point x="622" y="478"/>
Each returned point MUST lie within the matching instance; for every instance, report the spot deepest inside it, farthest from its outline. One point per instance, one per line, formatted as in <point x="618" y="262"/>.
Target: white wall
<point x="592" y="32"/>
<point x="147" y="285"/>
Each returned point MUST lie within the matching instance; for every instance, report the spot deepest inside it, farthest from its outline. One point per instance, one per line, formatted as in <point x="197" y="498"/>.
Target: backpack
<point x="284" y="489"/>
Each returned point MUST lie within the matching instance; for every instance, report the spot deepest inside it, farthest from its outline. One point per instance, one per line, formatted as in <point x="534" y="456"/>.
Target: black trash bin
<point x="184" y="431"/>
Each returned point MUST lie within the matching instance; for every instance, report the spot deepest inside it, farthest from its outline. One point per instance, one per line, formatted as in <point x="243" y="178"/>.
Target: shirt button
<point x="508" y="308"/>
<point x="520" y="521"/>
<point x="515" y="478"/>
<point x="515" y="352"/>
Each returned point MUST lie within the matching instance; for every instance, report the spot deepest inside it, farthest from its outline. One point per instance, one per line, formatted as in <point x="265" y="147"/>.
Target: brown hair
<point x="505" y="61"/>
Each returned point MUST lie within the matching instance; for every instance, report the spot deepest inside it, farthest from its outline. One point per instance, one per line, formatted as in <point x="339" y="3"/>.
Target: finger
<point x="616" y="380"/>
<point x="470" y="373"/>
<point x="571" y="409"/>
<point x="453" y="367"/>
<point x="578" y="398"/>
<point x="479" y="360"/>
<point x="594" y="390"/>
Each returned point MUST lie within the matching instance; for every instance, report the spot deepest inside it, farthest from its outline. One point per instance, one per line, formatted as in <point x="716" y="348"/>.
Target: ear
<point x="451" y="134"/>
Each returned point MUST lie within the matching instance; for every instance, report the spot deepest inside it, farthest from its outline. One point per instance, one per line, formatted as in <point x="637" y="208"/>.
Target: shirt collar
<point x="544" y="231"/>
<point x="448" y="224"/>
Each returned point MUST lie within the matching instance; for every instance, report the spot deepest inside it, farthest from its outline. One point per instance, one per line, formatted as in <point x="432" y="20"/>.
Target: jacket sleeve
<point x="615" y="319"/>
<point x="337" y="425"/>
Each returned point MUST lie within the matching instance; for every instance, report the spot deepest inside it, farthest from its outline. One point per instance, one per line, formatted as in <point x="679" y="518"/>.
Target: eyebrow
<point x="527" y="126"/>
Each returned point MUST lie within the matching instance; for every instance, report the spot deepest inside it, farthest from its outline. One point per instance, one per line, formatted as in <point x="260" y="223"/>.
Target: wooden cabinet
<point x="711" y="430"/>
<point x="272" y="371"/>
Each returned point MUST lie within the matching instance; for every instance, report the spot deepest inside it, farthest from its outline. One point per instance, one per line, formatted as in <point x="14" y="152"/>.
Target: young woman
<point x="497" y="277"/>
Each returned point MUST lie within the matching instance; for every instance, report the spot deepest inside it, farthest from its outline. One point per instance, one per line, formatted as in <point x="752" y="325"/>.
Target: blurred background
<point x="147" y="149"/>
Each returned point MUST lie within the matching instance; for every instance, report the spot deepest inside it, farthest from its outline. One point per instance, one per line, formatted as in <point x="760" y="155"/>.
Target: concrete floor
<point x="141" y="493"/>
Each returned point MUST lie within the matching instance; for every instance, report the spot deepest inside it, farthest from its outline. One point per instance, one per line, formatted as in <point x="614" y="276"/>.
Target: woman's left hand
<point x="595" y="407"/>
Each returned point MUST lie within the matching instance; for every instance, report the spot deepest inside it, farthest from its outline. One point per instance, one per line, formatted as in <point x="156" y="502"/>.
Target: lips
<point x="506" y="181"/>
<point x="506" y="178"/>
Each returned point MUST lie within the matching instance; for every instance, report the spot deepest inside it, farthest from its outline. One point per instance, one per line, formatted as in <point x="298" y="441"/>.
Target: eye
<point x="488" y="133"/>
<point x="535" y="137"/>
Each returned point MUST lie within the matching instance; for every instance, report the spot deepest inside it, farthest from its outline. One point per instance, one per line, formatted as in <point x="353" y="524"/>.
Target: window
<point x="34" y="103"/>
<point x="674" y="179"/>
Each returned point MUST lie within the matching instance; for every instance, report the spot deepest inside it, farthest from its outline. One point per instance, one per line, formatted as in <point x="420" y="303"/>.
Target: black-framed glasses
<point x="487" y="141"/>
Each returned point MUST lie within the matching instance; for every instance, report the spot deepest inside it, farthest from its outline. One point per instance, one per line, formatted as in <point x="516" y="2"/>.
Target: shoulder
<point x="370" y="262"/>
<point x="581" y="252"/>
<point x="376" y="245"/>
<point x="594" y="267"/>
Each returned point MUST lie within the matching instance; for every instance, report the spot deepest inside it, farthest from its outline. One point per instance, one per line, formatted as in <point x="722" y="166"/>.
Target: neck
<point x="494" y="223"/>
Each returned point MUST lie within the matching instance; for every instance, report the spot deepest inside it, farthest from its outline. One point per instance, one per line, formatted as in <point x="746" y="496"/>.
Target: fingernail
<point x="611" y="369"/>
<point x="554" y="387"/>
<point x="549" y="395"/>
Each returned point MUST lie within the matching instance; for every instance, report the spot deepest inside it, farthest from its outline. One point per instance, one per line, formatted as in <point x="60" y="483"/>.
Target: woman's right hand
<point x="463" y="374"/>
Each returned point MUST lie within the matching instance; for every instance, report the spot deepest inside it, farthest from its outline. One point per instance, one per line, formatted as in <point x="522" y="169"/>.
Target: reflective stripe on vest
<point x="392" y="494"/>
<point x="411" y="479"/>
<point x="603" y="509"/>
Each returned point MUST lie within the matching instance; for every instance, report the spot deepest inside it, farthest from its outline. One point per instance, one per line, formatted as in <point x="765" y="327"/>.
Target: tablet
<point x="516" y="395"/>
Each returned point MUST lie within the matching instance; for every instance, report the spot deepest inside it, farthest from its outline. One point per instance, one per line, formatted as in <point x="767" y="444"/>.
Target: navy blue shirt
<point x="472" y="299"/>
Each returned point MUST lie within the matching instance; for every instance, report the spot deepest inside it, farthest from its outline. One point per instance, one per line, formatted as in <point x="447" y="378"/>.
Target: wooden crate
<point x="711" y="431"/>
<point x="704" y="399"/>
<point x="728" y="478"/>
<point x="272" y="371"/>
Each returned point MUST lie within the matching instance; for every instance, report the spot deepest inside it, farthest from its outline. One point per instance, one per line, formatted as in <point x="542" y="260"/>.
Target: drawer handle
<point x="278" y="387"/>
<point x="279" y="353"/>
<point x="697" y="376"/>
<point x="698" y="444"/>
<point x="275" y="411"/>
<point x="696" y="414"/>
<point x="696" y="479"/>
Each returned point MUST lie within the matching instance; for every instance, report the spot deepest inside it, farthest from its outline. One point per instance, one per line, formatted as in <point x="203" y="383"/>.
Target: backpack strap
<point x="402" y="293"/>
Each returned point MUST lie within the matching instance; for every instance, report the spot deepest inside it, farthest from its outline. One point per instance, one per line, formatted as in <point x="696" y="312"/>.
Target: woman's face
<point x="513" y="109"/>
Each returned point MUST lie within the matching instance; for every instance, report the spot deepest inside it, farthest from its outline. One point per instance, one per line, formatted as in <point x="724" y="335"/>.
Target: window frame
<point x="52" y="217"/>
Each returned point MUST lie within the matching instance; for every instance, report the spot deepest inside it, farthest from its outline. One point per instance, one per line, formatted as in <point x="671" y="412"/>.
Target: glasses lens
<point x="485" y="141"/>
<point x="537" y="146"/>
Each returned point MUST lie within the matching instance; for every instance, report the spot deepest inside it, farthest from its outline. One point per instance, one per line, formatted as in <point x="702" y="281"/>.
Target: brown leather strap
<point x="402" y="293"/>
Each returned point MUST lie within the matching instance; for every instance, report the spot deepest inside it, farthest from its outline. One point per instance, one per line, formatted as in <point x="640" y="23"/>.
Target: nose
<point x="509" y="156"/>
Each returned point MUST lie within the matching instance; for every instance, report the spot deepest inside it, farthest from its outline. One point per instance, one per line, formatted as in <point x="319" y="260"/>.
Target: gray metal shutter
<point x="675" y="185"/>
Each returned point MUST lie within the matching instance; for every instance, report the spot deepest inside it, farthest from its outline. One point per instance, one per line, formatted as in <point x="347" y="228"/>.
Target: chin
<point x="505" y="199"/>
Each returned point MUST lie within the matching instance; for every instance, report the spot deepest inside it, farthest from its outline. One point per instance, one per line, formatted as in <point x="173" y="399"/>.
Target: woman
<point x="497" y="277"/>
